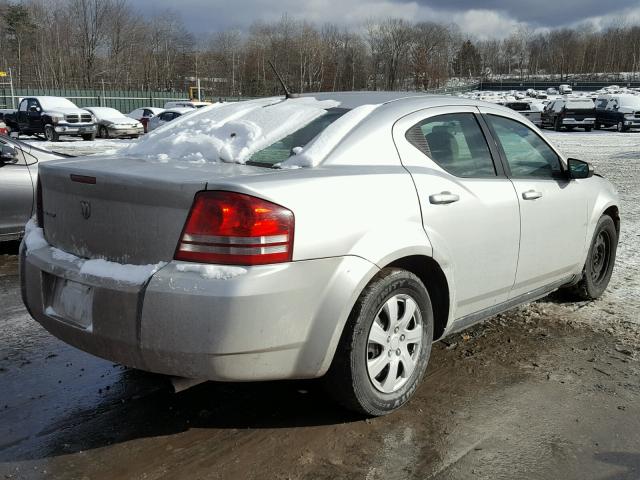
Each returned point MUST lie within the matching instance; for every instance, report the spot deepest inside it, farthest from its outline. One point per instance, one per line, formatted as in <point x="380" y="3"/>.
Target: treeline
<point x="91" y="43"/>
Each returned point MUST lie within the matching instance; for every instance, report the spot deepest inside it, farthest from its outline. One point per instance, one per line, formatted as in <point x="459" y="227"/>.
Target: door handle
<point x="443" y="198"/>
<point x="531" y="195"/>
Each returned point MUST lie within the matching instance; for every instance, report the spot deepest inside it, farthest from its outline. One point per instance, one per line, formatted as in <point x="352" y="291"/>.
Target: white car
<point x="167" y="116"/>
<point x="565" y="89"/>
<point x="113" y="124"/>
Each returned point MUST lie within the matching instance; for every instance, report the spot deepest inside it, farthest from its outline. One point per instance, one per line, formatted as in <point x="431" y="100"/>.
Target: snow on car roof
<point x="230" y="132"/>
<point x="55" y="102"/>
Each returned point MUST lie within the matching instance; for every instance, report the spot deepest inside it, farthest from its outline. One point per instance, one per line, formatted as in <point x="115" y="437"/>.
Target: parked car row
<point x="56" y="116"/>
<point x="621" y="111"/>
<point x="565" y="110"/>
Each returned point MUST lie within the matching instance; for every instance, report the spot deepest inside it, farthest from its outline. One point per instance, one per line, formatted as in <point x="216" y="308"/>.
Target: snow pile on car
<point x="229" y="132"/>
<point x="313" y="153"/>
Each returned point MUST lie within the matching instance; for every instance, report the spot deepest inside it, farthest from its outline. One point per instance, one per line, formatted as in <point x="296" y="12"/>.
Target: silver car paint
<point x="17" y="188"/>
<point x="358" y="211"/>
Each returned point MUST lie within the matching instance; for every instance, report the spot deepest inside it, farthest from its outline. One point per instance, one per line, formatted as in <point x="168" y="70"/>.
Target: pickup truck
<point x="51" y="116"/>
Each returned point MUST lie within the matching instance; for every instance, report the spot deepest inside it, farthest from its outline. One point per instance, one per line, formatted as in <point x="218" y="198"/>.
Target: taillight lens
<point x="236" y="229"/>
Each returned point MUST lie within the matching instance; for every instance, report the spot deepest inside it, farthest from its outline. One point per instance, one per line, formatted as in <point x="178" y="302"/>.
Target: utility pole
<point x="13" y="98"/>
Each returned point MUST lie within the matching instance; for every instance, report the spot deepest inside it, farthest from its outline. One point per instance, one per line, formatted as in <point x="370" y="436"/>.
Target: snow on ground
<point x="616" y="156"/>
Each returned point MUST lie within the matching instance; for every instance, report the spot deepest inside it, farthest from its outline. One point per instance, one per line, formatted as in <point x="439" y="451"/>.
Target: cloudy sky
<point x="490" y="18"/>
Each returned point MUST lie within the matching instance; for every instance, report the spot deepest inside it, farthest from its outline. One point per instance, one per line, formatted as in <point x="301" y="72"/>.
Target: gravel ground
<point x="546" y="391"/>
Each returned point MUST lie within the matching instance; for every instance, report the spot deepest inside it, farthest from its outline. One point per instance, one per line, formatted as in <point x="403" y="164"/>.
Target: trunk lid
<point x="126" y="210"/>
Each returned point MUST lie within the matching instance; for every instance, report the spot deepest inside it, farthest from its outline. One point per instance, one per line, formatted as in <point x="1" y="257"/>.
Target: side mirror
<point x="579" y="168"/>
<point x="8" y="154"/>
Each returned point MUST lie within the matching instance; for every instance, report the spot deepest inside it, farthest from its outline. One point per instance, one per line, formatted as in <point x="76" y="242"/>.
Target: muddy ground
<point x="547" y="391"/>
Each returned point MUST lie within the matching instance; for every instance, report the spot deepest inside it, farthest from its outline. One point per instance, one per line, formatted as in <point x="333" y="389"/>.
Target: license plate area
<point x="71" y="302"/>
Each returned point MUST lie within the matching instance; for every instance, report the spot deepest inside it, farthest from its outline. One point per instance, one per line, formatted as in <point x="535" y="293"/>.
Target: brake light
<point x="236" y="229"/>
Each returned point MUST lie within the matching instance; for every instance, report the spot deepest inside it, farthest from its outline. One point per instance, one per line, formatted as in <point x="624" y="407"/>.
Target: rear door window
<point x="456" y="143"/>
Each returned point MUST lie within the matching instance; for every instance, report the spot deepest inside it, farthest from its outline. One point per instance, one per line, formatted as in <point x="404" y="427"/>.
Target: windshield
<point x="282" y="149"/>
<point x="50" y="103"/>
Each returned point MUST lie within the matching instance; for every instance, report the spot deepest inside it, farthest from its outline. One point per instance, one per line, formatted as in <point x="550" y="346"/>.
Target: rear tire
<point x="600" y="260"/>
<point x="385" y="345"/>
<point x="621" y="127"/>
<point x="597" y="126"/>
<point x="50" y="133"/>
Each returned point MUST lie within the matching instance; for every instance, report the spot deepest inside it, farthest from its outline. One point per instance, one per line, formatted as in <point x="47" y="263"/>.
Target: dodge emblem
<point x="85" y="207"/>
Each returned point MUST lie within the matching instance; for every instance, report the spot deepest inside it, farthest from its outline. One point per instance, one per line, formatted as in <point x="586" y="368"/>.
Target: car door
<point x="601" y="111"/>
<point x="35" y="115"/>
<point x="553" y="209"/>
<point x="16" y="194"/>
<point x="469" y="207"/>
<point x="549" y="114"/>
<point x="612" y="109"/>
<point x="22" y="119"/>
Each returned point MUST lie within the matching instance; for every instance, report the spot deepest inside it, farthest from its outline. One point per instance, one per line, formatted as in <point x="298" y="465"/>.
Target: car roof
<point x="400" y="100"/>
<point x="179" y="110"/>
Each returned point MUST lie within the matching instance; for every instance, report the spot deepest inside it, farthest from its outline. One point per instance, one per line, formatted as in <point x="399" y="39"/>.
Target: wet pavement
<point x="547" y="391"/>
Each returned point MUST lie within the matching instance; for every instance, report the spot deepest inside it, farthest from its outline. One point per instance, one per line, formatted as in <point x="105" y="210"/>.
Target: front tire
<point x="587" y="129"/>
<point x="600" y="259"/>
<point x="103" y="132"/>
<point x="621" y="127"/>
<point x="385" y="346"/>
<point x="89" y="137"/>
<point x="557" y="125"/>
<point x="50" y="133"/>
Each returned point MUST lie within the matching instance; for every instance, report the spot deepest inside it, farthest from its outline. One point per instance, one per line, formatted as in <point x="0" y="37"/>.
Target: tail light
<point x="39" y="213"/>
<point x="236" y="229"/>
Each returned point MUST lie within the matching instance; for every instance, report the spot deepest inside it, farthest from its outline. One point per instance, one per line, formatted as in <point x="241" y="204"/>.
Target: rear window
<point x="282" y="149"/>
<point x="518" y="106"/>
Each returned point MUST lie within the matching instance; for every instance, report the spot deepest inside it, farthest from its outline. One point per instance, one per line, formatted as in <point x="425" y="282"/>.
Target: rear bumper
<point x="271" y="322"/>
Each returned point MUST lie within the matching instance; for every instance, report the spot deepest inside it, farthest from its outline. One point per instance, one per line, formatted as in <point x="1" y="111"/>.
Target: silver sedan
<point x="18" y="175"/>
<point x="334" y="235"/>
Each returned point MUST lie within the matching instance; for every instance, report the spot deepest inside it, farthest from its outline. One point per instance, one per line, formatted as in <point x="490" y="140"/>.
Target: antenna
<point x="287" y="93"/>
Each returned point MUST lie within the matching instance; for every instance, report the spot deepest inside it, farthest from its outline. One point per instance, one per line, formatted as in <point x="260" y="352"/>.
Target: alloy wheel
<point x="394" y="343"/>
